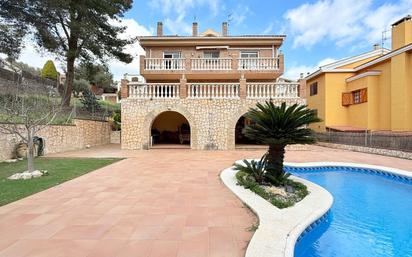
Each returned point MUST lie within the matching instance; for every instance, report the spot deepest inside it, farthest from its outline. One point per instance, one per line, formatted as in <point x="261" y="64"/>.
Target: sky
<point x="317" y="32"/>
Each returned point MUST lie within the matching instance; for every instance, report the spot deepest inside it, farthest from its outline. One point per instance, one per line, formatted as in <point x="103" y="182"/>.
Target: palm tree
<point x="277" y="127"/>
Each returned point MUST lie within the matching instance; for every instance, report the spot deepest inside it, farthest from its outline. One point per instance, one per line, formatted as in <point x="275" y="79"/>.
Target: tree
<point x="98" y="74"/>
<point x="79" y="86"/>
<point x="72" y="29"/>
<point x="25" y="110"/>
<point x="277" y="127"/>
<point x="11" y="35"/>
<point x="49" y="70"/>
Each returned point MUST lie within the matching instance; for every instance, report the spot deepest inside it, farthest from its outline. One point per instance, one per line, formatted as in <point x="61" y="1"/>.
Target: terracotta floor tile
<point x="157" y="202"/>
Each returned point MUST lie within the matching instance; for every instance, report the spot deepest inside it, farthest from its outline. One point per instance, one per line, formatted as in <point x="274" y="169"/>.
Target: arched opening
<point x="241" y="141"/>
<point x="170" y="129"/>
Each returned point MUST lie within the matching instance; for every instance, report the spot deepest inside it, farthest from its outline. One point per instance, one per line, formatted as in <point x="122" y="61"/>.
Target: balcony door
<point x="211" y="58"/>
<point x="249" y="60"/>
<point x="171" y="60"/>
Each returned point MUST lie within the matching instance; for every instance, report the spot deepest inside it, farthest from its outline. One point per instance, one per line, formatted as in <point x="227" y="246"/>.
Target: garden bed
<point x="280" y="196"/>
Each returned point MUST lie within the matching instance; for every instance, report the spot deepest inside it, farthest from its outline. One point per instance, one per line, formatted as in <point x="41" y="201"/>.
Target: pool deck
<point x="162" y="202"/>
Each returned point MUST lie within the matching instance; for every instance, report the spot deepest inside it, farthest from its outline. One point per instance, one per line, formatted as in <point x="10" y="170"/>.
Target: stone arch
<point x="151" y="116"/>
<point x="232" y="126"/>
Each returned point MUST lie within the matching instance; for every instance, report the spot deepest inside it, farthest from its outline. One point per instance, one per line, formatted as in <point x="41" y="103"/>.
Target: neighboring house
<point x="198" y="88"/>
<point x="372" y="91"/>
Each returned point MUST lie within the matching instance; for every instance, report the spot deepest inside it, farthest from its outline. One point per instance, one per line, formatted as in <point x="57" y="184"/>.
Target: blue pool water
<point x="371" y="216"/>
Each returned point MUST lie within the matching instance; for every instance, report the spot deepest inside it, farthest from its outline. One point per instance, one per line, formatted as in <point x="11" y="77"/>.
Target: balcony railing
<point x="164" y="63"/>
<point x="211" y="63"/>
<point x="154" y="90"/>
<point x="257" y="64"/>
<point x="213" y="91"/>
<point x="272" y="90"/>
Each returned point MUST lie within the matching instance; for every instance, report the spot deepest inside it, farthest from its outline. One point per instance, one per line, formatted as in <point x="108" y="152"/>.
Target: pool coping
<point x="279" y="229"/>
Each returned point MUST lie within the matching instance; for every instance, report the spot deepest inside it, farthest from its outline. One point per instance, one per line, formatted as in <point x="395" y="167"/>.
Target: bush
<point x="49" y="71"/>
<point x="254" y="168"/>
<point x="90" y="102"/>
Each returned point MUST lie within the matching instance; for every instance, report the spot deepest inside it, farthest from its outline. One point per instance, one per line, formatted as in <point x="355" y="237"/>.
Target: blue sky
<point x="318" y="31"/>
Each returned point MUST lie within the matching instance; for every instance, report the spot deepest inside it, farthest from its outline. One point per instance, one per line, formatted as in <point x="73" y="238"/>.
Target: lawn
<point x="60" y="170"/>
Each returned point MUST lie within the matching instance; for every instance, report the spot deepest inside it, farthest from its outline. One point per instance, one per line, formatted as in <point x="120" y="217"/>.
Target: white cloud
<point x="268" y="29"/>
<point x="33" y="57"/>
<point x="134" y="29"/>
<point x="176" y="12"/>
<point x="239" y="14"/>
<point x="342" y="21"/>
<point x="295" y="70"/>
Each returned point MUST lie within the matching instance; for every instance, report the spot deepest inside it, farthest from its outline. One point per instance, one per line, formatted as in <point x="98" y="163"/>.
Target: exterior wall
<point x="317" y="102"/>
<point x="61" y="138"/>
<point x="357" y="114"/>
<point x="212" y="122"/>
<point x="336" y="114"/>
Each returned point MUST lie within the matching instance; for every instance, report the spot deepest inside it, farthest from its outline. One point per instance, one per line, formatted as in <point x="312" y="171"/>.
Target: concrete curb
<point x="279" y="228"/>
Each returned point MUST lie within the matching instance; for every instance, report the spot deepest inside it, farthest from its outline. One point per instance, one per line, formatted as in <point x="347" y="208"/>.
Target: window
<point x="211" y="54"/>
<point x="314" y="88"/>
<point x="171" y="64"/>
<point x="356" y="97"/>
<point x="171" y="55"/>
<point x="249" y="54"/>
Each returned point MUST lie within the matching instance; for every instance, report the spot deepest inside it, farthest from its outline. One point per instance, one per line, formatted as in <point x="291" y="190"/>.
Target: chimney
<point x="159" y="29"/>
<point x="224" y="29"/>
<point x="402" y="32"/>
<point x="194" y="29"/>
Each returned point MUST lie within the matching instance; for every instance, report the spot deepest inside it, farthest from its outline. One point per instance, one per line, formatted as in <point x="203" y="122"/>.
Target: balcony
<point x="258" y="91"/>
<point x="203" y="68"/>
<point x="162" y="64"/>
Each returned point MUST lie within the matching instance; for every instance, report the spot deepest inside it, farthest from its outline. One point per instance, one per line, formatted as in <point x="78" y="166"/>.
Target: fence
<point x="401" y="141"/>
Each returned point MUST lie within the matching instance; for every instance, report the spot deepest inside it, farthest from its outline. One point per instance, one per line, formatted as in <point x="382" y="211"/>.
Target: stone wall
<point x="61" y="138"/>
<point x="212" y="122"/>
<point x="363" y="149"/>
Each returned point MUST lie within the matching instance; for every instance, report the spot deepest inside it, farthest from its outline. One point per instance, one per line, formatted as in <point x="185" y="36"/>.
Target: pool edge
<point x="277" y="235"/>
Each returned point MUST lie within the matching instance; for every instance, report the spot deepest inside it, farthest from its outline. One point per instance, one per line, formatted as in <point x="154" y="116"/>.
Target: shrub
<point x="254" y="168"/>
<point x="49" y="71"/>
<point x="90" y="102"/>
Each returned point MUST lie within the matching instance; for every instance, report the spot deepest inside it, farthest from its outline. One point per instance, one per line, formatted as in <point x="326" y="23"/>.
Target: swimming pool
<point x="371" y="215"/>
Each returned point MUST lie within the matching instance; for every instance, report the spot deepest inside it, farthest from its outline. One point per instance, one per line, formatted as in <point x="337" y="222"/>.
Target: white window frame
<point x="249" y="52"/>
<point x="211" y="54"/>
<point x="172" y="53"/>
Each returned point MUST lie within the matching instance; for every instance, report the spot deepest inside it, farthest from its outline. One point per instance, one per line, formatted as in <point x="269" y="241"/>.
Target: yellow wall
<point x="357" y="114"/>
<point x="409" y="91"/>
<point x="317" y="102"/>
<point x="169" y="121"/>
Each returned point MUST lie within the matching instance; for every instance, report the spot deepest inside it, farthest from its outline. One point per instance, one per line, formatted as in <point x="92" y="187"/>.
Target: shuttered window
<point x="355" y="97"/>
<point x="346" y="99"/>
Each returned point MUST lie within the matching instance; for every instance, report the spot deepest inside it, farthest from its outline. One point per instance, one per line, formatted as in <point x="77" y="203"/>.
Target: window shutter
<point x="364" y="95"/>
<point x="347" y="99"/>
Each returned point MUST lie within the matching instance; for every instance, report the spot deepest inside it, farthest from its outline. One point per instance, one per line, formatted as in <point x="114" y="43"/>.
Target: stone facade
<point x="61" y="138"/>
<point x="212" y="121"/>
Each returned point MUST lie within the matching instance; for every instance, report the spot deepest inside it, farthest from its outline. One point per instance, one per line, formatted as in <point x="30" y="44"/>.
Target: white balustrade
<point x="164" y="63"/>
<point x="262" y="63"/>
<point x="213" y="91"/>
<point x="154" y="90"/>
<point x="211" y="63"/>
<point x="272" y="90"/>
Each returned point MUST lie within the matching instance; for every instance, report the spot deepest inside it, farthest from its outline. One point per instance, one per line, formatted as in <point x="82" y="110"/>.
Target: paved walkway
<point x="155" y="203"/>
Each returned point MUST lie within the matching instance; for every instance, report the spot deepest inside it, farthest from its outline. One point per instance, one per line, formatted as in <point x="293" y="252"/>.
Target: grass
<point x="60" y="170"/>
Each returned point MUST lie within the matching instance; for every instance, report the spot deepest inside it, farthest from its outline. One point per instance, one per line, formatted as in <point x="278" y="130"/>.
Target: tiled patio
<point x="163" y="202"/>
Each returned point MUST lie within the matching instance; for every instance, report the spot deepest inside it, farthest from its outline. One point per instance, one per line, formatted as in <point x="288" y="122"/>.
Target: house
<point x="197" y="88"/>
<point x="371" y="91"/>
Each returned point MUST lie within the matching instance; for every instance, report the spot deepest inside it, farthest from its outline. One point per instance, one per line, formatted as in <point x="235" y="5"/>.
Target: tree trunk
<point x="30" y="150"/>
<point x="69" y="82"/>
<point x="276" y="155"/>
